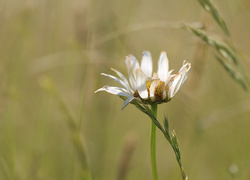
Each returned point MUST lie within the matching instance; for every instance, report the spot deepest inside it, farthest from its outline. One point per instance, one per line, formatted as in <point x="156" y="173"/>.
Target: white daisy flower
<point x="145" y="87"/>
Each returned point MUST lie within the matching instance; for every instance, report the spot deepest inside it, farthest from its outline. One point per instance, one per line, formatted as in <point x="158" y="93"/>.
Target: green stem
<point x="153" y="144"/>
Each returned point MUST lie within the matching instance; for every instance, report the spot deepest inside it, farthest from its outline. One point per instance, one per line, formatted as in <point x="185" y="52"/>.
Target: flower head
<point x="144" y="86"/>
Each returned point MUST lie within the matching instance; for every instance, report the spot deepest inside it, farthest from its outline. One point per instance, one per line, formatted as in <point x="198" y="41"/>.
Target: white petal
<point x="179" y="84"/>
<point x="141" y="84"/>
<point x="170" y="92"/>
<point x="132" y="82"/>
<point x="179" y="80"/>
<point x="182" y="80"/>
<point x="127" y="62"/>
<point x="114" y="90"/>
<point x="170" y="72"/>
<point x="163" y="67"/>
<point x="164" y="96"/>
<point x="134" y="64"/>
<point x="170" y="75"/>
<point x="127" y="101"/>
<point x="146" y="64"/>
<point x="185" y="71"/>
<point x="183" y="67"/>
<point x="130" y="75"/>
<point x="172" y="86"/>
<point x="117" y="80"/>
<point x="124" y="80"/>
<point x="153" y="85"/>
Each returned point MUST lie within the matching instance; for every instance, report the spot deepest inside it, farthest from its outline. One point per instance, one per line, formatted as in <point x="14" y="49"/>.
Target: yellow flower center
<point x="160" y="93"/>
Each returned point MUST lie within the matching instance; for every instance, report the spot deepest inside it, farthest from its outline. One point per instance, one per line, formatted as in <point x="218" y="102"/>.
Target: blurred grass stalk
<point x="227" y="57"/>
<point x="228" y="54"/>
<point x="47" y="84"/>
<point x="128" y="150"/>
<point x="210" y="8"/>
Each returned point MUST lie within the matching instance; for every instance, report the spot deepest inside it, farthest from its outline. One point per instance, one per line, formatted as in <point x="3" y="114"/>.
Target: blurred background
<point x="51" y="57"/>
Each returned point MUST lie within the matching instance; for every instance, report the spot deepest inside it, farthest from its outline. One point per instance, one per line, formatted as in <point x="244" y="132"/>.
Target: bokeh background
<point x="51" y="57"/>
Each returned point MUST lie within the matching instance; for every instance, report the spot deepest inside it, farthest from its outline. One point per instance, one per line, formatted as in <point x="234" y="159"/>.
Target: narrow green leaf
<point x="166" y="124"/>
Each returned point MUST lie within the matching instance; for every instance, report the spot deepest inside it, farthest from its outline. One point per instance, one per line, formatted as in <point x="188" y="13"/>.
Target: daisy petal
<point x="153" y="86"/>
<point x="127" y="101"/>
<point x="130" y="74"/>
<point x="134" y="64"/>
<point x="127" y="62"/>
<point x="184" y="74"/>
<point x="163" y="67"/>
<point x="179" y="84"/>
<point x="170" y="76"/>
<point x="146" y="63"/>
<point x="124" y="80"/>
<point x="141" y="84"/>
<point x="117" y="80"/>
<point x="114" y="90"/>
<point x="172" y="87"/>
<point x="170" y="72"/>
<point x="183" y="67"/>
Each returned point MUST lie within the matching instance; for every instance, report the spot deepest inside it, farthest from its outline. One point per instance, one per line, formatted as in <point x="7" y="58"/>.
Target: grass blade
<point x="209" y="7"/>
<point x="229" y="60"/>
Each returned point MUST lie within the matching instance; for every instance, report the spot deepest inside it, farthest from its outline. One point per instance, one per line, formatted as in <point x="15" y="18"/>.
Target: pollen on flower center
<point x="158" y="94"/>
<point x="159" y="91"/>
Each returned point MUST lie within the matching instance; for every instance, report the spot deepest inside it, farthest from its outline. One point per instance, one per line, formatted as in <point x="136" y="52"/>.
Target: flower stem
<point x="153" y="144"/>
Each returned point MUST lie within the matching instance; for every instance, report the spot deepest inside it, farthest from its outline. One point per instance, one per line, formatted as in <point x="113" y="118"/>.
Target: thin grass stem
<point x="49" y="86"/>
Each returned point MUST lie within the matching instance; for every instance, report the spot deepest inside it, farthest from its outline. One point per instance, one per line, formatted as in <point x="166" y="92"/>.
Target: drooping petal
<point x="184" y="66"/>
<point x="127" y="101"/>
<point x="163" y="67"/>
<point x="179" y="83"/>
<point x="178" y="80"/>
<point x="146" y="63"/>
<point x="141" y="84"/>
<point x="172" y="86"/>
<point x="124" y="80"/>
<point x="114" y="90"/>
<point x="184" y="72"/>
<point x="170" y="76"/>
<point x="117" y="80"/>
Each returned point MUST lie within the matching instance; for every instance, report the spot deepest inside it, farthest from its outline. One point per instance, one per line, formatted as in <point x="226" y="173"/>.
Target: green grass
<point x="53" y="126"/>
